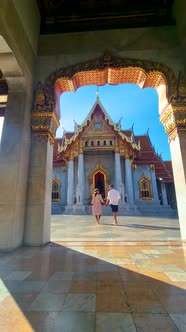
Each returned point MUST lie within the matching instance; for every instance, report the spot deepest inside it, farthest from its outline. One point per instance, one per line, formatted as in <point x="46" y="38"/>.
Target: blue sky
<point x="135" y="105"/>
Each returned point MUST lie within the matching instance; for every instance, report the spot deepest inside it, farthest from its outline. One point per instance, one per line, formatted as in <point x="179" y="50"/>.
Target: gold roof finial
<point x="97" y="93"/>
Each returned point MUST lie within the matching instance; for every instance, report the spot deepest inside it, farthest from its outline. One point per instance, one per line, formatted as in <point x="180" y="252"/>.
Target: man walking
<point x="113" y="199"/>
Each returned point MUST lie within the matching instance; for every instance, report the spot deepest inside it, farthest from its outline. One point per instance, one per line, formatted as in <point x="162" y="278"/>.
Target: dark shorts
<point x="114" y="208"/>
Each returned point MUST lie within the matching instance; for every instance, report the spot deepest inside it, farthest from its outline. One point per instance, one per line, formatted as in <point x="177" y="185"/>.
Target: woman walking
<point x="97" y="200"/>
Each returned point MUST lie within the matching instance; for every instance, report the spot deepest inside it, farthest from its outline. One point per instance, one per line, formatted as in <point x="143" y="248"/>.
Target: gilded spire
<point x="97" y="93"/>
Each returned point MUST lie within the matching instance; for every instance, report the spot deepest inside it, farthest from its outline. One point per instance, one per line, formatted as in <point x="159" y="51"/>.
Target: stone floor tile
<point x="154" y="323"/>
<point x="84" y="276"/>
<point x="176" y="276"/>
<point x="110" y="287"/>
<point x="108" y="275"/>
<point x="41" y="321"/>
<point x="83" y="286"/>
<point x="174" y="303"/>
<point x="111" y="302"/>
<point x="12" y="318"/>
<point x="179" y="321"/>
<point x="29" y="287"/>
<point x="47" y="301"/>
<point x="71" y="283"/>
<point x="80" y="302"/>
<point x="11" y="285"/>
<point x="106" y="267"/>
<point x="59" y="275"/>
<point x="109" y="322"/>
<point x="57" y="286"/>
<point x="75" y="322"/>
<point x="143" y="301"/>
<point x="18" y="275"/>
<point x="24" y="300"/>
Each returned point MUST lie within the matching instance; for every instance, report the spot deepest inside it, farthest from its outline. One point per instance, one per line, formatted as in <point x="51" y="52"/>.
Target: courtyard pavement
<point x="129" y="229"/>
<point x="97" y="278"/>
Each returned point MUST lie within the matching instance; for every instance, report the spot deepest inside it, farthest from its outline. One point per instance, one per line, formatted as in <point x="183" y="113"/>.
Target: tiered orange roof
<point x="147" y="155"/>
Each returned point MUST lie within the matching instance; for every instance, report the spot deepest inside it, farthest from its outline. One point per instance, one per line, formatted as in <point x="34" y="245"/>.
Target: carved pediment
<point x="98" y="127"/>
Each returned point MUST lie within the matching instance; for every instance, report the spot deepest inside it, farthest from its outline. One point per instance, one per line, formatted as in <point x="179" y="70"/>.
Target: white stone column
<point x="154" y="186"/>
<point x="164" y="194"/>
<point x="118" y="177"/>
<point x="38" y="212"/>
<point x="129" y="182"/>
<point x="80" y="185"/>
<point x="70" y="192"/>
<point x="178" y="155"/>
<point x="14" y="159"/>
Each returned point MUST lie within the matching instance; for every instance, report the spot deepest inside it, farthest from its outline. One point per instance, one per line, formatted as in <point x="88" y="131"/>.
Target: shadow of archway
<point x="92" y="286"/>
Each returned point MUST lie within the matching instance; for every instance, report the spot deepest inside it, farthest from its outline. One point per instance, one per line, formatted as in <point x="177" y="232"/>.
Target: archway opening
<point x="113" y="71"/>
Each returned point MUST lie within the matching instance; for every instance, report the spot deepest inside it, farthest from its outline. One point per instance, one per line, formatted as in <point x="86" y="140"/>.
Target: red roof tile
<point x="147" y="155"/>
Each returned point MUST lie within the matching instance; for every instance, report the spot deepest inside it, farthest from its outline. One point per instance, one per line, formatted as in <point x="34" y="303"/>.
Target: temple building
<point x="100" y="152"/>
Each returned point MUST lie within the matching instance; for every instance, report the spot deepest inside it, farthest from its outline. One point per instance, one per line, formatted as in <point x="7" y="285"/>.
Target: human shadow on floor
<point x="143" y="226"/>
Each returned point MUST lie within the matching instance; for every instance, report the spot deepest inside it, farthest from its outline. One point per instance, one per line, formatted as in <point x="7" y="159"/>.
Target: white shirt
<point x="113" y="196"/>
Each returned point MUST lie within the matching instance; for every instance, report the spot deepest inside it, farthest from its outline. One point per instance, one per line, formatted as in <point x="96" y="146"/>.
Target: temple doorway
<point x="100" y="183"/>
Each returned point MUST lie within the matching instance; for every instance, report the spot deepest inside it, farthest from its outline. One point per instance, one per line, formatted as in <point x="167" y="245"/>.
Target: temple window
<point x="104" y="143"/>
<point x="86" y="143"/>
<point x="110" y="142"/>
<point x="56" y="186"/>
<point x="145" y="189"/>
<point x="98" y="143"/>
<point x="92" y="143"/>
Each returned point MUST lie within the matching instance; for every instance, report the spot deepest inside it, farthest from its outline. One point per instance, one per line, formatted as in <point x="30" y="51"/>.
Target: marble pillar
<point x="164" y="194"/>
<point x="14" y="160"/>
<point x="178" y="154"/>
<point x="129" y="182"/>
<point x="80" y="185"/>
<point x="154" y="186"/>
<point x="118" y="178"/>
<point x="38" y="212"/>
<point x="70" y="192"/>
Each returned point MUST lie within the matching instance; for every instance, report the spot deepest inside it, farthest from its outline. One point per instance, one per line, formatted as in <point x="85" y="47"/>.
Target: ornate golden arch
<point x="112" y="70"/>
<point x="98" y="168"/>
<point x="106" y="69"/>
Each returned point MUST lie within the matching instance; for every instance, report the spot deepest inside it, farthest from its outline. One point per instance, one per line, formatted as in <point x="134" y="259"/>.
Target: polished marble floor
<point x="97" y="278"/>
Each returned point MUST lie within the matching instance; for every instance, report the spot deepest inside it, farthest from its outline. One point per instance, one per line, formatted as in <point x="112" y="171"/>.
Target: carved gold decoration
<point x="152" y="167"/>
<point x="44" y="126"/>
<point x="42" y="102"/>
<point x="174" y="121"/>
<point x="179" y="97"/>
<point x="43" y="121"/>
<point x="113" y="70"/>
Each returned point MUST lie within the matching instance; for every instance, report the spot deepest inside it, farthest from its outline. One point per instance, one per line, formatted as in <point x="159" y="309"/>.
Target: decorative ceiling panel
<point x="58" y="16"/>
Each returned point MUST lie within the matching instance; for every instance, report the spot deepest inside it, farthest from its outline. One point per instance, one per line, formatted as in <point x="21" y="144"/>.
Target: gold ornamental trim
<point x="174" y="121"/>
<point x="175" y="132"/>
<point x="113" y="70"/>
<point x="44" y="126"/>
